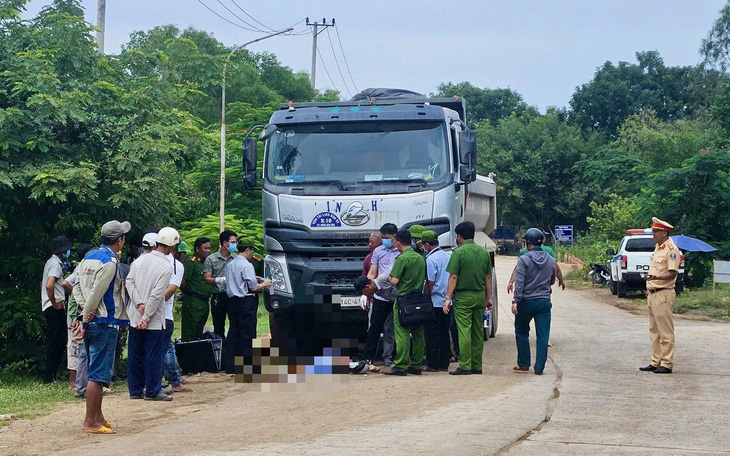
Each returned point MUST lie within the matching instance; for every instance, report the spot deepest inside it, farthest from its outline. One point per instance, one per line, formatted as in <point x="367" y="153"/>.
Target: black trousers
<point x="438" y="349"/>
<point x="380" y="312"/>
<point x="56" y="334"/>
<point x="242" y="329"/>
<point x="218" y="309"/>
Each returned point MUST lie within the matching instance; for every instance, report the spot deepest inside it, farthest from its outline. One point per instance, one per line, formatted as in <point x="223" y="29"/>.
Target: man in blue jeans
<point x="99" y="292"/>
<point x="535" y="275"/>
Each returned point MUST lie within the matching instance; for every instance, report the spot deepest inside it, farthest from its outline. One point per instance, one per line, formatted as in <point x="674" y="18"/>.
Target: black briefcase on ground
<point x="199" y="355"/>
<point x="415" y="309"/>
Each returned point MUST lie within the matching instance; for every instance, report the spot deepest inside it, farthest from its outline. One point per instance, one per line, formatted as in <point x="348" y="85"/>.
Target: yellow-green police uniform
<point x="471" y="263"/>
<point x="410" y="270"/>
<point x="195" y="304"/>
<point x="661" y="304"/>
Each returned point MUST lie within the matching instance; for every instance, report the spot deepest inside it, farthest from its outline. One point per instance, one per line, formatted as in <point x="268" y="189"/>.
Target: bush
<point x="21" y="327"/>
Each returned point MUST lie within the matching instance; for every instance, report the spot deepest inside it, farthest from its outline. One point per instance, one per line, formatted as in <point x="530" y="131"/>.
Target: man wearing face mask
<point x="214" y="273"/>
<point x="52" y="298"/>
<point x="416" y="235"/>
<point x="381" y="263"/>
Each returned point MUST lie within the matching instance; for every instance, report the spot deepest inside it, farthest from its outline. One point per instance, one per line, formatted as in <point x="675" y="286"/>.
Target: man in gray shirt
<point x="533" y="281"/>
<point x="148" y="278"/>
<point x="214" y="273"/>
<point x="243" y="304"/>
<point x="381" y="318"/>
<point x="53" y="297"/>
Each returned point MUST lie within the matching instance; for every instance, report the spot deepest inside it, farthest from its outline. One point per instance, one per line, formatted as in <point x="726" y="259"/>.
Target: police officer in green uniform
<point x="416" y="236"/>
<point x="470" y="289"/>
<point x="195" y="304"/>
<point x="408" y="274"/>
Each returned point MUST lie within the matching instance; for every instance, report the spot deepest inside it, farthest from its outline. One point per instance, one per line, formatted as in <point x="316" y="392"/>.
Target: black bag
<point x="415" y="309"/>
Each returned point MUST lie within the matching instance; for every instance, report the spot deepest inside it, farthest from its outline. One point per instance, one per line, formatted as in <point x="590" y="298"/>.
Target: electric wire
<point x="251" y="17"/>
<point x="334" y="54"/>
<point x="327" y="71"/>
<point x="345" y="59"/>
<point x="241" y="19"/>
<point x="226" y="19"/>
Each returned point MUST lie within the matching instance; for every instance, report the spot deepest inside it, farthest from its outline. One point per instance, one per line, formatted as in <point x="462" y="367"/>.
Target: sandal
<point x="521" y="369"/>
<point x="182" y="389"/>
<point x="101" y="430"/>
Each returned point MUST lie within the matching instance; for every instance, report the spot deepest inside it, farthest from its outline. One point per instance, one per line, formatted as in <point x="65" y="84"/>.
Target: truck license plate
<point x="350" y="301"/>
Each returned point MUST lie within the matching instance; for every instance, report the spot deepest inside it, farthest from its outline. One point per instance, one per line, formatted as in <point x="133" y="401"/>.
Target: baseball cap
<point x="168" y="236"/>
<point x="114" y="228"/>
<point x="360" y="282"/>
<point x="429" y="236"/>
<point x="416" y="231"/>
<point x="149" y="240"/>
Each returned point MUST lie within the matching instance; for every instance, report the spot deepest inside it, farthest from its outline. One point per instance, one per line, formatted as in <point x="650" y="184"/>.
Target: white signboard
<point x="721" y="272"/>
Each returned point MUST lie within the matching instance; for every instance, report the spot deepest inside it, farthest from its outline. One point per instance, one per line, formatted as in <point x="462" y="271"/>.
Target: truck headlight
<point x="277" y="275"/>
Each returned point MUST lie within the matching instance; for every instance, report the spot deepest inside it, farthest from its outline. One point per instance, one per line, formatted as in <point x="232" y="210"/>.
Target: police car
<point x="630" y="264"/>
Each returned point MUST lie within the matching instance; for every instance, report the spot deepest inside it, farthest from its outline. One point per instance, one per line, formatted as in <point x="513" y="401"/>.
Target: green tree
<point x="534" y="160"/>
<point x="487" y="104"/>
<point x="715" y="47"/>
<point x="609" y="222"/>
<point x="619" y="91"/>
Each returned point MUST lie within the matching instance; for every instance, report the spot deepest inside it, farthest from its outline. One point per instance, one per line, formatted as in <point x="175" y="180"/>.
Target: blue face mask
<point x="387" y="243"/>
<point x="67" y="254"/>
<point x="232" y="247"/>
<point x="414" y="245"/>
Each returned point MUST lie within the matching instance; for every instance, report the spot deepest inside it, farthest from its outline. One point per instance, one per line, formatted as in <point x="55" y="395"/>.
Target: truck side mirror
<point x="611" y="252"/>
<point x="250" y="159"/>
<point x="467" y="174"/>
<point x="468" y="148"/>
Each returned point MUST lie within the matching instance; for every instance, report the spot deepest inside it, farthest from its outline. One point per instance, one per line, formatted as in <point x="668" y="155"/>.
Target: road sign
<point x="564" y="233"/>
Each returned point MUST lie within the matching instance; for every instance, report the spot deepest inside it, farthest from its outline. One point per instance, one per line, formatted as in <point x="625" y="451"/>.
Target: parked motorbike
<point x="600" y="274"/>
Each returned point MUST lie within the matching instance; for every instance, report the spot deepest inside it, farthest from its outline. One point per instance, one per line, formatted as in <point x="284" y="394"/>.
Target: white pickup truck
<point x="630" y="264"/>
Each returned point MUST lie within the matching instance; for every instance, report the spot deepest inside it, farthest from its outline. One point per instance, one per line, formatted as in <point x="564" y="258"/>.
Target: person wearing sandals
<point x="535" y="275"/>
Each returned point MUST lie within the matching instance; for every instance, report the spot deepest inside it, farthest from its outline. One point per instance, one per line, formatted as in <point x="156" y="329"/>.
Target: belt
<point x="658" y="289"/>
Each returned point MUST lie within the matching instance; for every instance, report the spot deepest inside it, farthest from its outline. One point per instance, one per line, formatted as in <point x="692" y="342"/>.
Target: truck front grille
<point x="356" y="243"/>
<point x="335" y="279"/>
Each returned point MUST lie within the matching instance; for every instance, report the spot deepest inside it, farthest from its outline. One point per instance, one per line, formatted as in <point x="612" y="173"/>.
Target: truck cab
<point x="630" y="263"/>
<point x="335" y="172"/>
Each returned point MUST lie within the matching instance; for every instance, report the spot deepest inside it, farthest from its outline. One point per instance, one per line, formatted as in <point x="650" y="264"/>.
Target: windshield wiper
<point x="417" y="180"/>
<point x="303" y="183"/>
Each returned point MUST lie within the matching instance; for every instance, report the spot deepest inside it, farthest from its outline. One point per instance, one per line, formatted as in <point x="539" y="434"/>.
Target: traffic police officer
<point x="470" y="275"/>
<point x="660" y="294"/>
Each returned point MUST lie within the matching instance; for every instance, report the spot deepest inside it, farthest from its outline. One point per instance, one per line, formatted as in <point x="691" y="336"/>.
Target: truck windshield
<point x="349" y="154"/>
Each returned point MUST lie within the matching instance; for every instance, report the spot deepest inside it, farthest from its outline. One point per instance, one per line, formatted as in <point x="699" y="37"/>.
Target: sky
<point x="542" y="49"/>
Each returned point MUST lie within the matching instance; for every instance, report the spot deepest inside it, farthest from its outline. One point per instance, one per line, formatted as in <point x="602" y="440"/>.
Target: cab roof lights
<point x="639" y="231"/>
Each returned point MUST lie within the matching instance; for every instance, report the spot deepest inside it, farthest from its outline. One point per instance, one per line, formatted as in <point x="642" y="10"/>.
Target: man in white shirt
<point x="53" y="297"/>
<point x="170" y="368"/>
<point x="148" y="279"/>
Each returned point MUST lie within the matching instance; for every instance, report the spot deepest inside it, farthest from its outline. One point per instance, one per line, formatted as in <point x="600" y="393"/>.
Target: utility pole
<point x="315" y="31"/>
<point x="222" y="207"/>
<point x="100" y="19"/>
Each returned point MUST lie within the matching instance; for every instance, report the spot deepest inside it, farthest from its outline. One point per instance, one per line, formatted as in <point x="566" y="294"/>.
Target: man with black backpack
<point x="408" y="275"/>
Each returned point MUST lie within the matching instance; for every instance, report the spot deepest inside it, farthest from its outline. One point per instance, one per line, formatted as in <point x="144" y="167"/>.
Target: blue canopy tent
<point x="691" y="244"/>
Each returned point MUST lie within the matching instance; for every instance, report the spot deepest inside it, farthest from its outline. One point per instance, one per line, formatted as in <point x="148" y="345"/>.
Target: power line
<point x="345" y="59"/>
<point x="251" y="17"/>
<point x="327" y="71"/>
<point x="226" y="19"/>
<point x="334" y="54"/>
<point x="240" y="18"/>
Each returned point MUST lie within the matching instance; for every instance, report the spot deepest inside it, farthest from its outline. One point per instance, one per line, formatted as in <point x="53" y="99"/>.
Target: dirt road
<point x="591" y="400"/>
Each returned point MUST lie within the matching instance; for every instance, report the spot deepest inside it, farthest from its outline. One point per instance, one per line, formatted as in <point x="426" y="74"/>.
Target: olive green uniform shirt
<point x="471" y="263"/>
<point x="195" y="285"/>
<point x="410" y="270"/>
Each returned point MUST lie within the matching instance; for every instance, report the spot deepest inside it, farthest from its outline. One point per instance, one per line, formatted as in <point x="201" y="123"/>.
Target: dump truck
<point x="335" y="172"/>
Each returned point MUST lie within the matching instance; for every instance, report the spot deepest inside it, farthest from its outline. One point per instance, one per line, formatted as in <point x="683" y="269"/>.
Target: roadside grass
<point x="704" y="301"/>
<point x="26" y="397"/>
